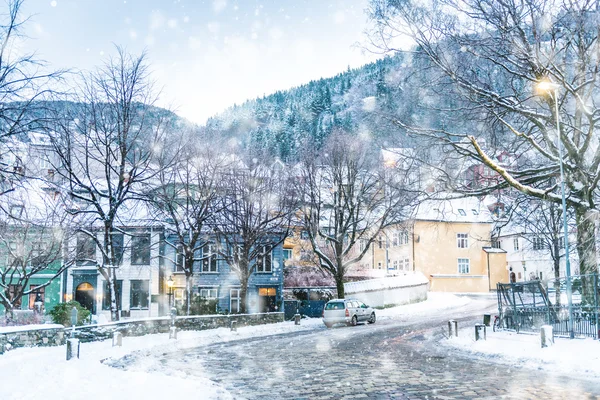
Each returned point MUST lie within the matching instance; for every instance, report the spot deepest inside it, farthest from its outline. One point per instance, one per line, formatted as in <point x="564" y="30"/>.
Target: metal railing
<point x="527" y="306"/>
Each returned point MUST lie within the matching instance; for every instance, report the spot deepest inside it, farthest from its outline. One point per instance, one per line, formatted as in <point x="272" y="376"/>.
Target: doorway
<point x="84" y="295"/>
<point x="267" y="299"/>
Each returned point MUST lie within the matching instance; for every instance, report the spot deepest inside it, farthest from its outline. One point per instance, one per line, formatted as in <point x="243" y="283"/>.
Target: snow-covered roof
<point x="466" y="209"/>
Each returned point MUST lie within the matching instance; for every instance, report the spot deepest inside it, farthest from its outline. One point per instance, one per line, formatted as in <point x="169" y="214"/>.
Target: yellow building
<point x="449" y="241"/>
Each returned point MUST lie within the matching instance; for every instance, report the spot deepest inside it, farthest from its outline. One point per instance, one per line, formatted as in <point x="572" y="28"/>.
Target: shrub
<point x="61" y="313"/>
<point x="199" y="306"/>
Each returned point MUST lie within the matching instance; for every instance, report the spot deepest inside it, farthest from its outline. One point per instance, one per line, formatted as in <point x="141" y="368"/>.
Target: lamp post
<point x="170" y="286"/>
<point x="546" y="86"/>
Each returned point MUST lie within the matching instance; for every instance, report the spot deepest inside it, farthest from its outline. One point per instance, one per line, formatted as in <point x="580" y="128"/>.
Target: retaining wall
<point x="55" y="335"/>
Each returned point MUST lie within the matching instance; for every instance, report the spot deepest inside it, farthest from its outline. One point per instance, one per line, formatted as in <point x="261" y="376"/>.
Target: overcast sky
<point x="206" y="55"/>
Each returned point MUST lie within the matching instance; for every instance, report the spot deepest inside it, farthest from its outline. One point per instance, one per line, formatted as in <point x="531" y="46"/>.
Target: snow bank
<point x="573" y="357"/>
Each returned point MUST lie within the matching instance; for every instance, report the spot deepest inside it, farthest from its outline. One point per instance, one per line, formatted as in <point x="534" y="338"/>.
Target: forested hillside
<point x="356" y="101"/>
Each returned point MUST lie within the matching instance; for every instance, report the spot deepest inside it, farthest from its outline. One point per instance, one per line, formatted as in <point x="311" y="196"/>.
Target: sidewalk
<point x="574" y="357"/>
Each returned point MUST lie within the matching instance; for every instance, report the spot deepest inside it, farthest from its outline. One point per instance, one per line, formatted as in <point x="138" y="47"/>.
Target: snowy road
<point x="395" y="358"/>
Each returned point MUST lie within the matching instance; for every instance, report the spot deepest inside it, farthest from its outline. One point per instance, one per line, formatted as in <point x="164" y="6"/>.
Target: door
<point x="267" y="299"/>
<point x="84" y="295"/>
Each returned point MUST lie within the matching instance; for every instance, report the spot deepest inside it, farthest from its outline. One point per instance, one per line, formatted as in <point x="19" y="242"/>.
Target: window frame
<point x="32" y="295"/>
<point x="209" y="290"/>
<point x="516" y="244"/>
<point x="462" y="262"/>
<point x="265" y="257"/>
<point x="105" y="304"/>
<point x="144" y="290"/>
<point x="83" y="250"/>
<point x="209" y="259"/>
<point x="137" y="247"/>
<point x="462" y="240"/>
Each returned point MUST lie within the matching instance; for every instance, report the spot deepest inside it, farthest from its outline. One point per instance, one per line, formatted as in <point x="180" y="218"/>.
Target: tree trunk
<point x="557" y="274"/>
<point x="243" y="294"/>
<point x="8" y="312"/>
<point x="188" y="292"/>
<point x="586" y="248"/>
<point x="339" y="284"/>
<point x="114" y="305"/>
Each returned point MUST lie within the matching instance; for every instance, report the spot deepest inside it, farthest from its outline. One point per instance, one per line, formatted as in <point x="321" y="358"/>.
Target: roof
<point x="465" y="209"/>
<point x="493" y="250"/>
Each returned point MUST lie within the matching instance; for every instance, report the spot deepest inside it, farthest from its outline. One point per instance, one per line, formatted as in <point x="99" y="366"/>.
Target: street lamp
<point x="546" y="86"/>
<point x="170" y="286"/>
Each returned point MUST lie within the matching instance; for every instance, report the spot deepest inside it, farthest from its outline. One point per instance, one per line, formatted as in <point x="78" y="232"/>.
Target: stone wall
<point x="55" y="336"/>
<point x="51" y="336"/>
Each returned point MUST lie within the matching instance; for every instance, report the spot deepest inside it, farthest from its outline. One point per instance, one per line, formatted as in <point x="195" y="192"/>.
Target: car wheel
<point x="372" y="318"/>
<point x="354" y="321"/>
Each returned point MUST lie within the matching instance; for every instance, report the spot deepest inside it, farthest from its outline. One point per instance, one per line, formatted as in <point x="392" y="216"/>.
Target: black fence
<point x="527" y="306"/>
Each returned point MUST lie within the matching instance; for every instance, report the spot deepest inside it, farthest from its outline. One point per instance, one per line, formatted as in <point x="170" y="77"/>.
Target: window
<point x="475" y="212"/>
<point x="14" y="291"/>
<point x="395" y="238"/>
<point x="405" y="237"/>
<point x="86" y="250"/>
<point x="287" y="254"/>
<point x="139" y="294"/>
<point x="463" y="266"/>
<point x="234" y="301"/>
<point x="462" y="240"/>
<point x="406" y="264"/>
<point x="516" y="244"/>
<point x="140" y="250"/>
<point x="379" y="265"/>
<point x="38" y="254"/>
<point x="209" y="258"/>
<point x="34" y="293"/>
<point x="106" y="295"/>
<point x="380" y="242"/>
<point x="561" y="242"/>
<point x="118" y="247"/>
<point x="462" y="212"/>
<point x="495" y="244"/>
<point x="209" y="293"/>
<point x="304" y="235"/>
<point x="264" y="261"/>
<point x="395" y="264"/>
<point x="538" y="243"/>
<point x="179" y="259"/>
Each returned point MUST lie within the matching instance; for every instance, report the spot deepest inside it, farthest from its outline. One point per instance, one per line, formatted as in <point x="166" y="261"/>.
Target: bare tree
<point x="488" y="58"/>
<point x="185" y="200"/>
<point x="24" y="81"/>
<point x="256" y="208"/>
<point x="348" y="197"/>
<point x="34" y="227"/>
<point x="106" y="147"/>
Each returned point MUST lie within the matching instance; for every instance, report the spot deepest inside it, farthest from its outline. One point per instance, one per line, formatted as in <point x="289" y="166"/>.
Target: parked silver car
<point x="347" y="311"/>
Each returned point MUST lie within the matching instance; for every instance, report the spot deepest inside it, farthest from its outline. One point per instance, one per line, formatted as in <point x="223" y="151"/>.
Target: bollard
<point x="72" y="348"/>
<point x="478" y="329"/>
<point x="546" y="336"/>
<point x="487" y="319"/>
<point x="117" y="339"/>
<point x="173" y="332"/>
<point x="452" y="328"/>
<point x="297" y="319"/>
<point x="233" y="326"/>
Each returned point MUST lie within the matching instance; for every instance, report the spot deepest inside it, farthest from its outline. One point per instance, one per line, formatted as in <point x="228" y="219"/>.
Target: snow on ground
<point x="43" y="371"/>
<point x="574" y="357"/>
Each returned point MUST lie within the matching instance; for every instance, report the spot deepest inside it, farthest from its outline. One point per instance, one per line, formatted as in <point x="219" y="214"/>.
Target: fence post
<point x="515" y="322"/>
